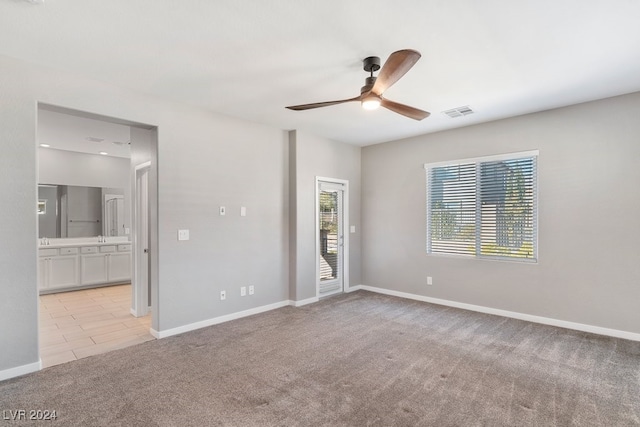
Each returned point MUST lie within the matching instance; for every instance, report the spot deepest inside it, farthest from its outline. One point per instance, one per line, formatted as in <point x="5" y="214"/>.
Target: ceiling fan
<point x="371" y="93"/>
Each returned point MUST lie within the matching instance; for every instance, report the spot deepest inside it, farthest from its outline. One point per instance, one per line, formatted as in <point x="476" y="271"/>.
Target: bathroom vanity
<point x="68" y="264"/>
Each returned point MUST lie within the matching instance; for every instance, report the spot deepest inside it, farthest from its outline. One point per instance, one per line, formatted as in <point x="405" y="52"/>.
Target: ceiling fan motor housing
<point x="371" y="64"/>
<point x="368" y="85"/>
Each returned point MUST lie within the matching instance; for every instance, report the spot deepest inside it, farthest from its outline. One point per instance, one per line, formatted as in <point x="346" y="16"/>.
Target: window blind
<point x="483" y="208"/>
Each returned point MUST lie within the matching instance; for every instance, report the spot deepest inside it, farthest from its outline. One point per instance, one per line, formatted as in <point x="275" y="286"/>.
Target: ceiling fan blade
<point x="396" y="66"/>
<point x="321" y="104"/>
<point x="405" y="110"/>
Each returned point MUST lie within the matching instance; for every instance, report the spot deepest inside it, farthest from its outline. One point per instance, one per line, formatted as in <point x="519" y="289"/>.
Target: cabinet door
<point x="93" y="269"/>
<point x="43" y="273"/>
<point x="119" y="266"/>
<point x="63" y="271"/>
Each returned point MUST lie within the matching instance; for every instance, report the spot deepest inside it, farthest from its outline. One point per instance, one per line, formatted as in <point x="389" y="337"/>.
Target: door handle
<point x="146" y="251"/>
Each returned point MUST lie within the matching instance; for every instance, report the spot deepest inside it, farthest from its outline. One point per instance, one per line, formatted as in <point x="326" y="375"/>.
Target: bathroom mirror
<point x="78" y="211"/>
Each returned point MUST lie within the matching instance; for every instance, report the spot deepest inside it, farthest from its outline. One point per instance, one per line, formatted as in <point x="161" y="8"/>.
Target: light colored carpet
<point x="359" y="359"/>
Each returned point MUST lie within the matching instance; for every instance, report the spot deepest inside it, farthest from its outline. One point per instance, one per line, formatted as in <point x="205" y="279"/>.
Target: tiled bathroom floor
<point x="83" y="323"/>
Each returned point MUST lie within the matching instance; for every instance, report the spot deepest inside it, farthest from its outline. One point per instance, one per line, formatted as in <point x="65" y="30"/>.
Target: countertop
<point x="76" y="243"/>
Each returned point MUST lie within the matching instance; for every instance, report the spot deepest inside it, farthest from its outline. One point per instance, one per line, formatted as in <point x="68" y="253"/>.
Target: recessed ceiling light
<point x="104" y="153"/>
<point x="45" y="145"/>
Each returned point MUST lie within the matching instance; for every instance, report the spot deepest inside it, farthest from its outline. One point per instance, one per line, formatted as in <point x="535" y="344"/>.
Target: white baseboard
<point x="353" y="288"/>
<point x="217" y="320"/>
<point x="134" y="312"/>
<point x="515" y="315"/>
<point x="304" y="302"/>
<point x="20" y="370"/>
<point x="228" y="317"/>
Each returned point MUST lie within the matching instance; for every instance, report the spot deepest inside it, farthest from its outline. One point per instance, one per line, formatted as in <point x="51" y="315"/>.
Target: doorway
<point x="113" y="216"/>
<point x="331" y="239"/>
<point x="83" y="316"/>
<point x="141" y="304"/>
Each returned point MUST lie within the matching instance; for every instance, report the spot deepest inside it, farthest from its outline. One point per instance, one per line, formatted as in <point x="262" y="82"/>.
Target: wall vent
<point x="94" y="139"/>
<point x="459" y="112"/>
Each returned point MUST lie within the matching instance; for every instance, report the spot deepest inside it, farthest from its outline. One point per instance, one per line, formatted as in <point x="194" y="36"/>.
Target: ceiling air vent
<point x="94" y="139"/>
<point x="459" y="112"/>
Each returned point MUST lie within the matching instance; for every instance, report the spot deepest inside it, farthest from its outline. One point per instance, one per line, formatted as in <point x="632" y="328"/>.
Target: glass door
<point x="331" y="238"/>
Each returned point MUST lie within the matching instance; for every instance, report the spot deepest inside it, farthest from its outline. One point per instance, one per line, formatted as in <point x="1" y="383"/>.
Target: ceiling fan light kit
<point x="371" y="102"/>
<point x="394" y="68"/>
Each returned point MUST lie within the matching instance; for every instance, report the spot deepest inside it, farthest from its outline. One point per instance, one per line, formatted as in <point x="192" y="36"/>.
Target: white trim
<point x="20" y="370"/>
<point x="494" y="158"/>
<point x="353" y="288"/>
<point x="133" y="312"/>
<point x="512" y="314"/>
<point x="140" y="293"/>
<point x="228" y="317"/>
<point x="303" y="302"/>
<point x="345" y="231"/>
<point x="328" y="294"/>
<point x="217" y="320"/>
<point x="144" y="165"/>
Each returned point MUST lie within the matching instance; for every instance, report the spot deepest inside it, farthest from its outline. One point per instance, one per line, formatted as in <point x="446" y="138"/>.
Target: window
<point x="484" y="207"/>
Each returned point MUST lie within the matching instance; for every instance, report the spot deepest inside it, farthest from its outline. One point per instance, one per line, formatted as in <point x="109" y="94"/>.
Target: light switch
<point x="183" y="234"/>
<point x="223" y="211"/>
<point x="353" y="228"/>
<point x="243" y="211"/>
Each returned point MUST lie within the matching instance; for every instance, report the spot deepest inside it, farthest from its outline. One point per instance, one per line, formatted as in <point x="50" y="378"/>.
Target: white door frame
<point x="141" y="277"/>
<point x="106" y="215"/>
<point x="345" y="229"/>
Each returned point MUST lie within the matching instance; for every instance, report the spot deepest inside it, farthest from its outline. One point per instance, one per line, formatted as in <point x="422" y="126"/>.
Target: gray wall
<point x="204" y="161"/>
<point x="18" y="222"/>
<point x="312" y="156"/>
<point x="589" y="260"/>
<point x="84" y="211"/>
<point x="48" y="221"/>
<point x="90" y="170"/>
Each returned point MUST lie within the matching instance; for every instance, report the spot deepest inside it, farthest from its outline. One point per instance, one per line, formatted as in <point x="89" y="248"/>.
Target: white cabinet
<point x="83" y="266"/>
<point x="63" y="271"/>
<point x="57" y="271"/>
<point x="106" y="264"/>
<point x="93" y="269"/>
<point x="119" y="266"/>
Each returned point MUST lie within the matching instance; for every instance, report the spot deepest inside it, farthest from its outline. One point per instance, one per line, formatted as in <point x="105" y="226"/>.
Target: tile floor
<point x="83" y="323"/>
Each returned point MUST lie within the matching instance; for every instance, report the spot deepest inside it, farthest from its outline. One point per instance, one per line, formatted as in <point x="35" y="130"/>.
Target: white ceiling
<point x="73" y="133"/>
<point x="251" y="58"/>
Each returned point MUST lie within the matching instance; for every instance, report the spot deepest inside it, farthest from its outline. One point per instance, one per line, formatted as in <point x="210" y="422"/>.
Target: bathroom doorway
<point x="94" y="309"/>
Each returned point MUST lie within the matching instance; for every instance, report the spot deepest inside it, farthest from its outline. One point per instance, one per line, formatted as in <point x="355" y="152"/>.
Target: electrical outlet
<point x="251" y="290"/>
<point x="429" y="280"/>
<point x="183" y="234"/>
<point x="243" y="291"/>
<point x="223" y="295"/>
